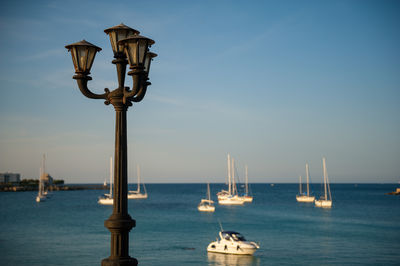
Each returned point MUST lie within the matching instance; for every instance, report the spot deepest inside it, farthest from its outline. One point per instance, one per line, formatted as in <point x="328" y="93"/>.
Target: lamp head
<point x="83" y="54"/>
<point x="118" y="33"/>
<point x="135" y="49"/>
<point x="147" y="61"/>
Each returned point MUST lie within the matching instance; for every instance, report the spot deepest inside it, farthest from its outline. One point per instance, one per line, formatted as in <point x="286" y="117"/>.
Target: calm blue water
<point x="363" y="227"/>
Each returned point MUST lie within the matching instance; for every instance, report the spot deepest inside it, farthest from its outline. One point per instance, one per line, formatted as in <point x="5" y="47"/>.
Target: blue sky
<point x="274" y="83"/>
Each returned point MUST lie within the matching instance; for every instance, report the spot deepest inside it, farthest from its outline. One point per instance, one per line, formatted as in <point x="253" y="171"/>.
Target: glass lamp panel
<point x="147" y="62"/>
<point x="123" y="34"/>
<point x="82" y="57"/>
<point x="75" y="60"/>
<point x="113" y="40"/>
<point x="132" y="51"/>
<point x="90" y="58"/>
<point x="142" y="43"/>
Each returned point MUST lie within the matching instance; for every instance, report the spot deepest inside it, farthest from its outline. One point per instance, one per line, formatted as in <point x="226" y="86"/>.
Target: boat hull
<point x="247" y="198"/>
<point x="228" y="247"/>
<point x="40" y="198"/>
<point x="137" y="196"/>
<point x="323" y="203"/>
<point x="231" y="201"/>
<point x="304" y="198"/>
<point x="206" y="208"/>
<point x="106" y="201"/>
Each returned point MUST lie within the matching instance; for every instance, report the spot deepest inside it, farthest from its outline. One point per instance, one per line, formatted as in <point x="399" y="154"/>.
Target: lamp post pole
<point x="128" y="46"/>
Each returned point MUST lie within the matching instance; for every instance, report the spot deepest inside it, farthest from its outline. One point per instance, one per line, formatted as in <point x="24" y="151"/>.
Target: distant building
<point x="9" y="178"/>
<point x="47" y="178"/>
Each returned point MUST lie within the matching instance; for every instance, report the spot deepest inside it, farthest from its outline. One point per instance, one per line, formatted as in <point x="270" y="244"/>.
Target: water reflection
<point x="228" y="259"/>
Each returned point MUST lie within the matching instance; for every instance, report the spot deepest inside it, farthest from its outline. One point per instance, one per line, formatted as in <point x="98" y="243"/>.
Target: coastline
<point x="19" y="188"/>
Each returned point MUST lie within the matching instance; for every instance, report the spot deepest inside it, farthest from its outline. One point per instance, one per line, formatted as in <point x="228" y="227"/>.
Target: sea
<point x="361" y="228"/>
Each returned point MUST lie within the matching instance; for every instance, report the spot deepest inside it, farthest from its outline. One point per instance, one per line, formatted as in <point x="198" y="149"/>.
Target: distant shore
<point x="59" y="187"/>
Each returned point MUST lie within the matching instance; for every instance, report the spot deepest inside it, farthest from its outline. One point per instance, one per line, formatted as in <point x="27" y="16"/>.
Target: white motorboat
<point x="107" y="199"/>
<point x="206" y="205"/>
<point x="136" y="194"/>
<point x="231" y="242"/>
<point x="305" y="197"/>
<point x="326" y="200"/>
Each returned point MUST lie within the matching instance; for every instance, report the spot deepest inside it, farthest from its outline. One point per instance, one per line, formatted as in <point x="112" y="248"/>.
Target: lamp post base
<point x="119" y="262"/>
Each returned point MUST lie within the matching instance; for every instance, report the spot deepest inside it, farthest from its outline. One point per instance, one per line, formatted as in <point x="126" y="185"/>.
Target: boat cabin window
<point x="238" y="237"/>
<point x="234" y="235"/>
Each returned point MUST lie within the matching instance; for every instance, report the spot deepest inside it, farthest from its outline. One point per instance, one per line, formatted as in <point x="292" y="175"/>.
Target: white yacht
<point x="206" y="205"/>
<point x="136" y="194"/>
<point x="230" y="197"/>
<point x="107" y="199"/>
<point x="326" y="200"/>
<point x="231" y="242"/>
<point x="305" y="197"/>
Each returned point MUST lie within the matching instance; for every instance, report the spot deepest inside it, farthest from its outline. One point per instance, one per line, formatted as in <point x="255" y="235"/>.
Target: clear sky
<point x="274" y="83"/>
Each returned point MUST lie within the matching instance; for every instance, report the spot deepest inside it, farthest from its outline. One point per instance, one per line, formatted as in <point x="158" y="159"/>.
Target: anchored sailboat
<point x="107" y="199"/>
<point x="135" y="194"/>
<point x="305" y="197"/>
<point x="206" y="205"/>
<point x="247" y="197"/>
<point x="41" y="190"/>
<point x="230" y="197"/>
<point x="326" y="200"/>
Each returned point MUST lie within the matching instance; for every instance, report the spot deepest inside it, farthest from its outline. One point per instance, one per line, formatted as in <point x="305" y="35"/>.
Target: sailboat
<point x="230" y="197"/>
<point x="326" y="200"/>
<point x="107" y="199"/>
<point x="40" y="197"/>
<point x="246" y="197"/>
<point x="135" y="194"/>
<point x="305" y="197"/>
<point x="206" y="205"/>
<point x="41" y="191"/>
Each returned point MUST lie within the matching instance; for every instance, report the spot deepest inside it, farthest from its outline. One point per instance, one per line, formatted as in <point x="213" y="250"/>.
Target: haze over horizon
<point x="274" y="83"/>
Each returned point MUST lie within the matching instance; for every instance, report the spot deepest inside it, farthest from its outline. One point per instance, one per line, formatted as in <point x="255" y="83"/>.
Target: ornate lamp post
<point x="128" y="46"/>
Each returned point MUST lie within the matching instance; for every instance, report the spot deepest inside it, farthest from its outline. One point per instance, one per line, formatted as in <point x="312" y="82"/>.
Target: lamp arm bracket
<point x="135" y="87"/>
<point x="82" y="84"/>
<point x="140" y="94"/>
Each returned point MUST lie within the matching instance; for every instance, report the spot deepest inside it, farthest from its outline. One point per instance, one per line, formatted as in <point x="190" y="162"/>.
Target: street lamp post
<point x="128" y="47"/>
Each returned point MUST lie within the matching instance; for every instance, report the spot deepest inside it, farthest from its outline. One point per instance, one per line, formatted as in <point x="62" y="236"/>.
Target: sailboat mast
<point x="247" y="181"/>
<point x="40" y="182"/>
<point x="324" y="167"/>
<point x="43" y="174"/>
<point x="327" y="182"/>
<point x="229" y="175"/>
<point x="138" y="178"/>
<point x="111" y="175"/>
<point x="234" y="190"/>
<point x="44" y="165"/>
<point x="308" y="187"/>
<point x="208" y="191"/>
<point x="300" y="184"/>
